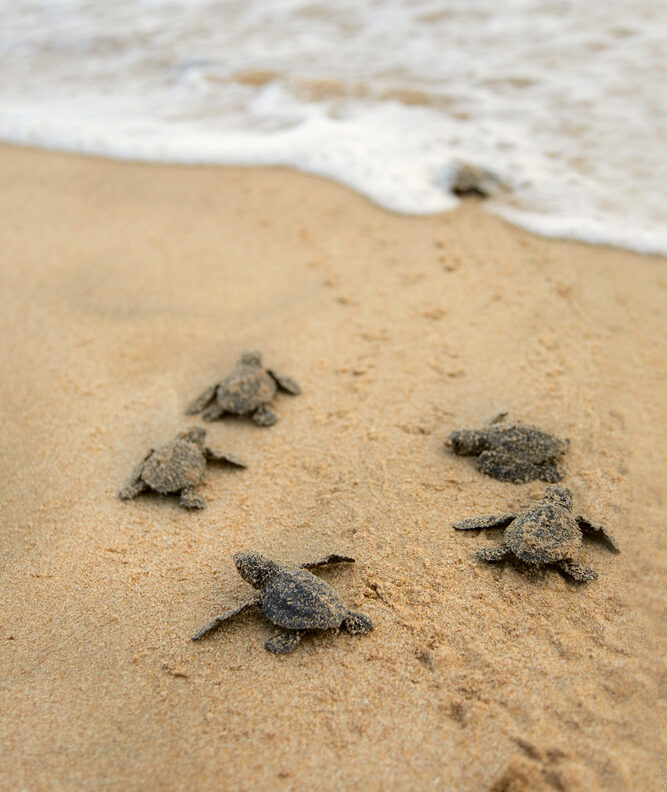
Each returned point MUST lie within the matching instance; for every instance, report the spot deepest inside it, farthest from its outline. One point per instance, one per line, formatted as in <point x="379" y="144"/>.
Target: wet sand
<point x="126" y="289"/>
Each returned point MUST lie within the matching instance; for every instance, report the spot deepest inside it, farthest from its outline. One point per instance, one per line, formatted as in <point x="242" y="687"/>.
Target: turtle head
<point x="252" y="357"/>
<point x="466" y="442"/>
<point x="255" y="569"/>
<point x="560" y="496"/>
<point x="194" y="435"/>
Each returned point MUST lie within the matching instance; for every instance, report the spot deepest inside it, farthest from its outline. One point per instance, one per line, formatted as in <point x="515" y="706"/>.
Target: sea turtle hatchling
<point x="293" y="599"/>
<point x="516" y="452"/>
<point x="177" y="467"/>
<point x="247" y="390"/>
<point x="466" y="180"/>
<point x="546" y="534"/>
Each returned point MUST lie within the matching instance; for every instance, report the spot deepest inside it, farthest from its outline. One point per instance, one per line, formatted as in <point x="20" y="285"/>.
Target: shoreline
<point x="126" y="289"/>
<point x="521" y="219"/>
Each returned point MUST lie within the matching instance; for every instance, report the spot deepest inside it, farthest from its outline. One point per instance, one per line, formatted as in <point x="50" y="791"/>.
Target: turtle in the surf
<point x="177" y="467"/>
<point x="514" y="452"/>
<point x="547" y="534"/>
<point x="467" y="180"/>
<point x="293" y="599"/>
<point x="247" y="390"/>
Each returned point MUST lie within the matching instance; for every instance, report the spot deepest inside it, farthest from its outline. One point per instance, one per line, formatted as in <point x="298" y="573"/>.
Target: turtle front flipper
<point x="357" y="623"/>
<point x="213" y="625"/>
<point x="588" y="527"/>
<point x="132" y="489"/>
<point x="330" y="559"/>
<point x="579" y="572"/>
<point x="137" y="484"/>
<point x="201" y="401"/>
<point x="223" y="456"/>
<point x="283" y="642"/>
<point x="191" y="500"/>
<point x="285" y="383"/>
<point x="493" y="553"/>
<point x="264" y="417"/>
<point x="213" y="413"/>
<point x="486" y="521"/>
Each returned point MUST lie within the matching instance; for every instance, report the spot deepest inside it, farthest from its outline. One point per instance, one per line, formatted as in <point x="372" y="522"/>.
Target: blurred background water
<point x="562" y="100"/>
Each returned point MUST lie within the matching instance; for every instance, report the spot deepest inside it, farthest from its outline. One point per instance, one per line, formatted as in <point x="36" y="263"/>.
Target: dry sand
<point x="128" y="288"/>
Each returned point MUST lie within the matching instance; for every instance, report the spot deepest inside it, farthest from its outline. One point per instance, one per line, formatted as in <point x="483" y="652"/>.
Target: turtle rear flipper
<point x="285" y="383"/>
<point x="357" y="624"/>
<point x="201" y="401"/>
<point x="593" y="528"/>
<point x="579" y="572"/>
<point x="283" y="642"/>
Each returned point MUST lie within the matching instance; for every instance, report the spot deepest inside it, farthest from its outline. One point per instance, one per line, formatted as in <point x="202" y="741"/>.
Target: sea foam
<point x="561" y="100"/>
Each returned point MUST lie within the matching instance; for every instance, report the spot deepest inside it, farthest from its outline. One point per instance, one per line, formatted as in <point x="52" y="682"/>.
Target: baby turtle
<point x="515" y="452"/>
<point x="177" y="467"/>
<point x="547" y="534"/>
<point x="246" y="391"/>
<point x="293" y="599"/>
<point x="466" y="180"/>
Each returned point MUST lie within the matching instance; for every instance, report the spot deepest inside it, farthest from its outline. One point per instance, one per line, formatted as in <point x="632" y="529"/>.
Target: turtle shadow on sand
<point x="293" y="599"/>
<point x="176" y="468"/>
<point x="246" y="391"/>
<point x="547" y="534"/>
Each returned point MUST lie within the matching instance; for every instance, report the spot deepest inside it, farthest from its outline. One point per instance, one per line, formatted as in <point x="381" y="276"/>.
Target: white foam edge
<point x="391" y="182"/>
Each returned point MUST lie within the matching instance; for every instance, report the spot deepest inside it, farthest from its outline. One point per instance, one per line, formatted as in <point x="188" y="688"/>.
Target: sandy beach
<point x="128" y="288"/>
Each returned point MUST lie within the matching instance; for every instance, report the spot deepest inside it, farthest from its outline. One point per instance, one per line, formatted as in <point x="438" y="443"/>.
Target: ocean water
<point x="562" y="101"/>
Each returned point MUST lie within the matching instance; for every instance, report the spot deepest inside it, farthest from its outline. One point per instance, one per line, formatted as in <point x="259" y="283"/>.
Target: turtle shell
<point x="297" y="600"/>
<point x="174" y="467"/>
<point x="544" y="535"/>
<point x="246" y="389"/>
<point x="528" y="442"/>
